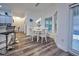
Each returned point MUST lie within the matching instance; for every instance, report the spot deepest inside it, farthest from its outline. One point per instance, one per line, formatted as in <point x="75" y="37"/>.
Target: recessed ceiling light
<point x="0" y="6"/>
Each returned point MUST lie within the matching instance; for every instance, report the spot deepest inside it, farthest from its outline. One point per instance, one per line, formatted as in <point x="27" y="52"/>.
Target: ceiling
<point x="19" y="9"/>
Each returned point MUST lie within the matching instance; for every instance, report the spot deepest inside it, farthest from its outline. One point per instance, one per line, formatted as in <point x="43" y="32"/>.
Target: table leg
<point x="6" y="43"/>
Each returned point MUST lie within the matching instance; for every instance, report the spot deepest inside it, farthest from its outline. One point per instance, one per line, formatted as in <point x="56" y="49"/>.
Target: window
<point x="48" y="23"/>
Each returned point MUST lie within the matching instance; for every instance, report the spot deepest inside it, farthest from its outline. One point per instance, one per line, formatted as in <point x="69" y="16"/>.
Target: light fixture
<point x="0" y="6"/>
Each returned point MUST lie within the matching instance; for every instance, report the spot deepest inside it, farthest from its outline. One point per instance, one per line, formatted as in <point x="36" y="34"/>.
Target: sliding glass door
<point x="75" y="29"/>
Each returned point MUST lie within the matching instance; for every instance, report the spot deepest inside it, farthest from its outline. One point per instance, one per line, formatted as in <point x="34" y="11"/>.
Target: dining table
<point x="38" y="31"/>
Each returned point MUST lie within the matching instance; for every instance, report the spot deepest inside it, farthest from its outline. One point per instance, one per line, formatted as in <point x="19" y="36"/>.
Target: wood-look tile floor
<point x="26" y="47"/>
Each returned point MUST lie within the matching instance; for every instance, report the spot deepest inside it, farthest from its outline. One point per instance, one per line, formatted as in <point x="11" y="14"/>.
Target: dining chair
<point x="32" y="33"/>
<point x="38" y="35"/>
<point x="37" y="32"/>
<point x="43" y="35"/>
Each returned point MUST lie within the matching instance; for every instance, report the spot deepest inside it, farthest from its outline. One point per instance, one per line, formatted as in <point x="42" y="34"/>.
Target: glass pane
<point x="48" y="24"/>
<point x="75" y="40"/>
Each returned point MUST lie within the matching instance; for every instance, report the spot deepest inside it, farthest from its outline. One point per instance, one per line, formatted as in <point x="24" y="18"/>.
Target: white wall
<point x="62" y="35"/>
<point x="34" y="16"/>
<point x="62" y="26"/>
<point x="19" y="22"/>
<point x="37" y="15"/>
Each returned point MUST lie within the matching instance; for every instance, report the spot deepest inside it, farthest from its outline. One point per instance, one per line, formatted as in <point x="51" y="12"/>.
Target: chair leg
<point x="41" y="39"/>
<point x="37" y="38"/>
<point x="32" y="38"/>
<point x="46" y="39"/>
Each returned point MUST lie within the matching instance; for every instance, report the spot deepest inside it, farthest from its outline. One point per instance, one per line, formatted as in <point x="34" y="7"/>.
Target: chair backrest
<point x="44" y="32"/>
<point x="32" y="31"/>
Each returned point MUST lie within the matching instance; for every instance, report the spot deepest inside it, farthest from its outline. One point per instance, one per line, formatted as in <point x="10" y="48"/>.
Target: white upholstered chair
<point x="32" y="33"/>
<point x="43" y="35"/>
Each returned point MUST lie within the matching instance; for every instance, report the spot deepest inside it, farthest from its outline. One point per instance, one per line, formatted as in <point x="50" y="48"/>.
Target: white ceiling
<point x="19" y="9"/>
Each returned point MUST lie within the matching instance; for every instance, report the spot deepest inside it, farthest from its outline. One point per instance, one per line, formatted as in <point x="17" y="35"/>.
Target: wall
<point x="62" y="35"/>
<point x="37" y="15"/>
<point x="46" y="14"/>
<point x="62" y="26"/>
<point x="19" y="22"/>
<point x="34" y="16"/>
